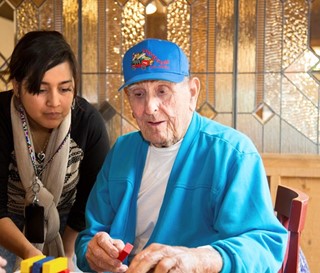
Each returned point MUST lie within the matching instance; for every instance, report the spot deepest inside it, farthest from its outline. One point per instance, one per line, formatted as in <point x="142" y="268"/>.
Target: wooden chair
<point x="291" y="208"/>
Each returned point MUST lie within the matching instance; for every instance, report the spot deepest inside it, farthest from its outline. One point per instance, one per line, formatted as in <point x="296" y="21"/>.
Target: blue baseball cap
<point x="154" y="59"/>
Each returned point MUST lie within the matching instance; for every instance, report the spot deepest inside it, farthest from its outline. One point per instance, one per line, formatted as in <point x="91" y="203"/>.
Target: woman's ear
<point x="16" y="88"/>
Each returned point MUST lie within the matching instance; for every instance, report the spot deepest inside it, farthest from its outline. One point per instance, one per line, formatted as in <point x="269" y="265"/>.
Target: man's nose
<point x="151" y="105"/>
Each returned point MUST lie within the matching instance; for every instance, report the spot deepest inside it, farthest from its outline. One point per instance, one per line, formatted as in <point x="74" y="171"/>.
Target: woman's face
<point x="47" y="109"/>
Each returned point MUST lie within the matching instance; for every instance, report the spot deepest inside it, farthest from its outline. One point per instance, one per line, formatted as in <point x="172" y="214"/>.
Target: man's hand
<point x="159" y="258"/>
<point x="102" y="254"/>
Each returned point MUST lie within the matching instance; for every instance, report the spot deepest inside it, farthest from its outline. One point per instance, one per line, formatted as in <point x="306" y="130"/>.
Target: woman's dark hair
<point x="35" y="53"/>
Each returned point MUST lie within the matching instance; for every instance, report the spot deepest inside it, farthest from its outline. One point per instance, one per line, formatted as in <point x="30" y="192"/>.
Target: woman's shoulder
<point x="5" y="98"/>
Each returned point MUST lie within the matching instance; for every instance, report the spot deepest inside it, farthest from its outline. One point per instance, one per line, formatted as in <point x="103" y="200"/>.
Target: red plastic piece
<point x="125" y="252"/>
<point x="65" y="271"/>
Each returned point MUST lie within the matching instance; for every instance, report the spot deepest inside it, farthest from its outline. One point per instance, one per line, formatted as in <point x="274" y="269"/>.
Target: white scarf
<point x="53" y="177"/>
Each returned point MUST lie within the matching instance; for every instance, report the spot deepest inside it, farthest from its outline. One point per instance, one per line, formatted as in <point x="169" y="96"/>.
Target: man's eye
<point x="163" y="91"/>
<point x="137" y="94"/>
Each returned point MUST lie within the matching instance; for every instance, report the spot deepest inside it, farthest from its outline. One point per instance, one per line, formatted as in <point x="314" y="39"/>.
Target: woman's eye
<point x="67" y="89"/>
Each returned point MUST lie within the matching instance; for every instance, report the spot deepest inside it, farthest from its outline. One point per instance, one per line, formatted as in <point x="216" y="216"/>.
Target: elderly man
<point x="189" y="193"/>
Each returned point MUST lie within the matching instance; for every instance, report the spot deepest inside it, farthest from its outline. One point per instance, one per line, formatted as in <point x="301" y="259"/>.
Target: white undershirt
<point x="156" y="173"/>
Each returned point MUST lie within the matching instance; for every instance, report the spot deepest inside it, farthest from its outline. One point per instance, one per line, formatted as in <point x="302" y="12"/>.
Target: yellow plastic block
<point x="26" y="265"/>
<point x="55" y="266"/>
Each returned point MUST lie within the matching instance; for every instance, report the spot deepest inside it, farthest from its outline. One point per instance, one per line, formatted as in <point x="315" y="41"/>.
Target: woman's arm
<point x="15" y="241"/>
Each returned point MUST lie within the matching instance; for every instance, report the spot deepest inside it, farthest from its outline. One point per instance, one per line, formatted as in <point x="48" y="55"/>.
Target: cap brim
<point x="169" y="77"/>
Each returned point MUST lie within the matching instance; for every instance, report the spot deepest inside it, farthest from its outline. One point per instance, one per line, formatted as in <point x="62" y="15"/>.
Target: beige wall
<point x="7" y="34"/>
<point x="7" y="43"/>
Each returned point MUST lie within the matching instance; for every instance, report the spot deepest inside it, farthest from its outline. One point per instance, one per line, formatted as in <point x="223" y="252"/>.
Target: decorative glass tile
<point x="4" y="72"/>
<point x="156" y="15"/>
<point x="70" y="23"/>
<point x="207" y="110"/>
<point x="247" y="37"/>
<point x="246" y="93"/>
<point x="211" y="36"/>
<point x="303" y="63"/>
<point x="224" y="40"/>
<point x="299" y="111"/>
<point x="272" y="91"/>
<point x="7" y="34"/>
<point x="292" y="141"/>
<point x="316" y="75"/>
<point x="263" y="113"/>
<point x="15" y="3"/>
<point x="314" y="30"/>
<point x="306" y="85"/>
<point x="89" y="87"/>
<point x="114" y="97"/>
<point x="6" y="13"/>
<point x="107" y="111"/>
<point x="38" y="2"/>
<point x="47" y="16"/>
<point x="133" y="21"/>
<point x="27" y="18"/>
<point x="315" y="72"/>
<point x="271" y="135"/>
<point x="178" y="19"/>
<point x="113" y="36"/>
<point x="122" y="2"/>
<point x="89" y="36"/>
<point x="272" y="38"/>
<point x="168" y="1"/>
<point x="198" y="55"/>
<point x="249" y="125"/>
<point x="223" y="95"/>
<point x="145" y="2"/>
<point x="295" y="36"/>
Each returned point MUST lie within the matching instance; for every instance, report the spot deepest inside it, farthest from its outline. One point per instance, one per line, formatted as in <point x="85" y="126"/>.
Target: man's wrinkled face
<point x="162" y="109"/>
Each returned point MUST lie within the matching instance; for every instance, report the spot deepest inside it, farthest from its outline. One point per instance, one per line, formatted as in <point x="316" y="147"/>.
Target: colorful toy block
<point x="125" y="252"/>
<point x="26" y="265"/>
<point x="56" y="265"/>
<point x="37" y="266"/>
<point x="43" y="264"/>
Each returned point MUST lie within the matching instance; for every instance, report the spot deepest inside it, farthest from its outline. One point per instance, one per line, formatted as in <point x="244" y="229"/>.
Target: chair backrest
<point x="291" y="208"/>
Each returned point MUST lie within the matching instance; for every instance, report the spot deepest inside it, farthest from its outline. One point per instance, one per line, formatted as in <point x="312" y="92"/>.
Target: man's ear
<point x="195" y="86"/>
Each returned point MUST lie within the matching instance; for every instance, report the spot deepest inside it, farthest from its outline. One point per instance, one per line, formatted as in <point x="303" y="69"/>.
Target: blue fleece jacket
<point x="217" y="195"/>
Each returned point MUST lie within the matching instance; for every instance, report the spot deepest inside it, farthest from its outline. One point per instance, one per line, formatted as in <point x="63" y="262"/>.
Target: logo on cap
<point x="145" y="59"/>
<point x="140" y="60"/>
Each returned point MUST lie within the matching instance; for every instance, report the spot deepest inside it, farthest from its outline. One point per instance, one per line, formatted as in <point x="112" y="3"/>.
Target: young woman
<point x="52" y="146"/>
